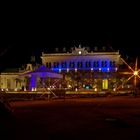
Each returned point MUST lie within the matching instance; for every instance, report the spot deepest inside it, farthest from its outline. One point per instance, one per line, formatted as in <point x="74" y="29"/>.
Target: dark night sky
<point x="27" y="34"/>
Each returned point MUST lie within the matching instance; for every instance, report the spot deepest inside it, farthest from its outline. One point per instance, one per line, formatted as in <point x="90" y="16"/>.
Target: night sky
<point x="29" y="34"/>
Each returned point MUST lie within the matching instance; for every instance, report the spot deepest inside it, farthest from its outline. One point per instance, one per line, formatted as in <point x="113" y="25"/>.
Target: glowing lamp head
<point x="135" y="73"/>
<point x="95" y="89"/>
<point x="59" y="70"/>
<point x="80" y="52"/>
<point x="114" y="89"/>
<point x="67" y="69"/>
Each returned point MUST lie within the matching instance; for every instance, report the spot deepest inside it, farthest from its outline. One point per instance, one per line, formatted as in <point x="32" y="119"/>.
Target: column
<point x="33" y="82"/>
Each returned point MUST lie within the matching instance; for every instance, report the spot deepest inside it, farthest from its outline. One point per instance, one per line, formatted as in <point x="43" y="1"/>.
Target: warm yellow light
<point x="135" y="73"/>
<point x="95" y="89"/>
<point x="114" y="89"/>
<point x="80" y="52"/>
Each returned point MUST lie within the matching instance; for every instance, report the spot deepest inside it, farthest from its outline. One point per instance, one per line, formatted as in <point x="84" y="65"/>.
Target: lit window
<point x="79" y="64"/>
<point x="63" y="64"/>
<point x="112" y="64"/>
<point x="96" y="64"/>
<point x="104" y="63"/>
<point x="88" y="64"/>
<point x="56" y="64"/>
<point x="72" y="65"/>
<point x="49" y="65"/>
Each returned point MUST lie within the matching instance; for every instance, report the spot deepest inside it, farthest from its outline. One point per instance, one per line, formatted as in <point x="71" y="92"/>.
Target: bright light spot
<point x="80" y="52"/>
<point x="69" y="86"/>
<point x="59" y="70"/>
<point x="48" y="88"/>
<point x="95" y="89"/>
<point x="135" y="73"/>
<point x="75" y="69"/>
<point x="99" y="69"/>
<point x="15" y="89"/>
<point x="114" y="89"/>
<point x="32" y="89"/>
<point x="24" y="88"/>
<point x="67" y="69"/>
<point x="107" y="69"/>
<point x="91" y="69"/>
<point x="76" y="89"/>
<point x="2" y="89"/>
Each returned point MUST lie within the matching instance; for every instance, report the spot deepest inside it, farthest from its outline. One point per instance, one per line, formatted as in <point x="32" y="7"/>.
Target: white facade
<point x="81" y="59"/>
<point x="9" y="81"/>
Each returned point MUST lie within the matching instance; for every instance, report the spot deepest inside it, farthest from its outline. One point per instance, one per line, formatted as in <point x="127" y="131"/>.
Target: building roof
<point x="42" y="72"/>
<point x="84" y="51"/>
<point x="89" y="49"/>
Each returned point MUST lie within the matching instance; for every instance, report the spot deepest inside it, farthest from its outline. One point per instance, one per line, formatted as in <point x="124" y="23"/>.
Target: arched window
<point x="96" y="64"/>
<point x="88" y="64"/>
<point x="104" y="63"/>
<point x="63" y="64"/>
<point x="79" y="64"/>
<point x="71" y="64"/>
<point x="48" y="64"/>
<point x="56" y="64"/>
<point x="112" y="63"/>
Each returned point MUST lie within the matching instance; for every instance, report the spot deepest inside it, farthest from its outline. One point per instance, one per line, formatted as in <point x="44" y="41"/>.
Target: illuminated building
<point x="84" y="69"/>
<point x="31" y="78"/>
<point x="78" y="69"/>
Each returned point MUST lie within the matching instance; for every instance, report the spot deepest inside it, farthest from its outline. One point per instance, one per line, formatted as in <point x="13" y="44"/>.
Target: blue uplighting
<point x="103" y="66"/>
<point x="32" y="82"/>
<point x="41" y="68"/>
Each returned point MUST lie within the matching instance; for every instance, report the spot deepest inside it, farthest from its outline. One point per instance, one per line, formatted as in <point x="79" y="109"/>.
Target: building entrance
<point x="105" y="84"/>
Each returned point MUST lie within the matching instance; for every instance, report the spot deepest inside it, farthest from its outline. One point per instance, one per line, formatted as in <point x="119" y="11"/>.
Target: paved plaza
<point x="116" y="118"/>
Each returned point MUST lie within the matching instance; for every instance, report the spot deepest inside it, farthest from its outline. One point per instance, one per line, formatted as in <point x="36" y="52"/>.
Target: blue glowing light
<point x="32" y="82"/>
<point x="103" y="66"/>
<point x="41" y="68"/>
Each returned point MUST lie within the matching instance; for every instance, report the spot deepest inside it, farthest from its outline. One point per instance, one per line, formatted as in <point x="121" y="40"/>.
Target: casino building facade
<point x="84" y="69"/>
<point x="79" y="69"/>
